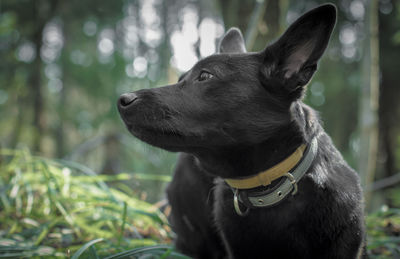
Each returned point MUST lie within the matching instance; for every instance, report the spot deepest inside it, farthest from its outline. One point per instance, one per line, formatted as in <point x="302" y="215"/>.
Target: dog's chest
<point x="289" y="229"/>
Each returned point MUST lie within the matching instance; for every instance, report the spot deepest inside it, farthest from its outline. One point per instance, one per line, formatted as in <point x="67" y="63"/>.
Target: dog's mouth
<point x="143" y="131"/>
<point x="160" y="134"/>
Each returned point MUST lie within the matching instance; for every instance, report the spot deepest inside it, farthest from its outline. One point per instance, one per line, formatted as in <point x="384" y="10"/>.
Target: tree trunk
<point x="18" y="124"/>
<point x="270" y="24"/>
<point x="255" y="20"/>
<point x="260" y="20"/>
<point x="64" y="9"/>
<point x="43" y="11"/>
<point x="36" y="84"/>
<point x="229" y="10"/>
<point x="112" y="151"/>
<point x="165" y="49"/>
<point x="389" y="108"/>
<point x="369" y="101"/>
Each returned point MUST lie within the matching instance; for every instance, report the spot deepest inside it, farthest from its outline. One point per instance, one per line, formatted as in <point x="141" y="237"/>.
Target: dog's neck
<point x="243" y="161"/>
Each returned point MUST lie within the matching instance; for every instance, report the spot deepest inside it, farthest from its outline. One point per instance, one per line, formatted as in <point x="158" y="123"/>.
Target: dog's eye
<point x="204" y="75"/>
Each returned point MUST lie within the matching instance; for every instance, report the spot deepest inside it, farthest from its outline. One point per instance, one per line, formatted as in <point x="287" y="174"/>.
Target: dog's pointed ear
<point x="296" y="53"/>
<point x="232" y="42"/>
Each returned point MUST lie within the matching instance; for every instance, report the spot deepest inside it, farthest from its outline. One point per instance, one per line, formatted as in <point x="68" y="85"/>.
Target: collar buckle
<point x="237" y="206"/>
<point x="293" y="182"/>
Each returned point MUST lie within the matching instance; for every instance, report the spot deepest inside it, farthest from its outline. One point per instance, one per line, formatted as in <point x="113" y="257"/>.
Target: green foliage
<point x="383" y="228"/>
<point x="51" y="208"/>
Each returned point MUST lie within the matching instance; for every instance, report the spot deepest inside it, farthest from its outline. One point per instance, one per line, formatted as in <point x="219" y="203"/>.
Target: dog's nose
<point x="126" y="99"/>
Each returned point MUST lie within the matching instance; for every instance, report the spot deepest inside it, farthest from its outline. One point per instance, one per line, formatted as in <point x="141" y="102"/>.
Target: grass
<point x="383" y="229"/>
<point x="51" y="208"/>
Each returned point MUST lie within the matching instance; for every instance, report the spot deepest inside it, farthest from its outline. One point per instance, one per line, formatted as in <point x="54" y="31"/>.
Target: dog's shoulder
<point x="189" y="178"/>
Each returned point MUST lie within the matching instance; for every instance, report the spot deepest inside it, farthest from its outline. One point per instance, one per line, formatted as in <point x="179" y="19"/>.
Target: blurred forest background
<point x="65" y="63"/>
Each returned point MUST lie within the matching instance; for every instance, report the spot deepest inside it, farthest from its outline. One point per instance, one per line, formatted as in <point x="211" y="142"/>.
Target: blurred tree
<point x="389" y="108"/>
<point x="260" y="21"/>
<point x="369" y="100"/>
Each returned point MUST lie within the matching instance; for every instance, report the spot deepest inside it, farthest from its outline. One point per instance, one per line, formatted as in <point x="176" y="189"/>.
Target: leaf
<point x="84" y="247"/>
<point x="158" y="250"/>
<point x="93" y="253"/>
<point x="123" y="223"/>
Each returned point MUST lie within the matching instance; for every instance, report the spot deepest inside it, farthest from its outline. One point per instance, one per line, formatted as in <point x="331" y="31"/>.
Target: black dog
<point x="259" y="177"/>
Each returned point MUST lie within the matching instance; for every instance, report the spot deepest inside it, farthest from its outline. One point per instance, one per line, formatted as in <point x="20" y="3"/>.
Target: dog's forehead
<point x="222" y="64"/>
<point x="225" y="61"/>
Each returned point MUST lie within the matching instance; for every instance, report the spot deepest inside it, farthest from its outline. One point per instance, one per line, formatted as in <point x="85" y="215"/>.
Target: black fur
<point x="244" y="119"/>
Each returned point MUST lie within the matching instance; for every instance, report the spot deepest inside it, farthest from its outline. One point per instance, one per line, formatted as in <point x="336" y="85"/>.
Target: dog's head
<point x="233" y="97"/>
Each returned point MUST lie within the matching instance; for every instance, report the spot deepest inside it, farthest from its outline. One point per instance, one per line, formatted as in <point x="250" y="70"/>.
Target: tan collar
<point x="266" y="177"/>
